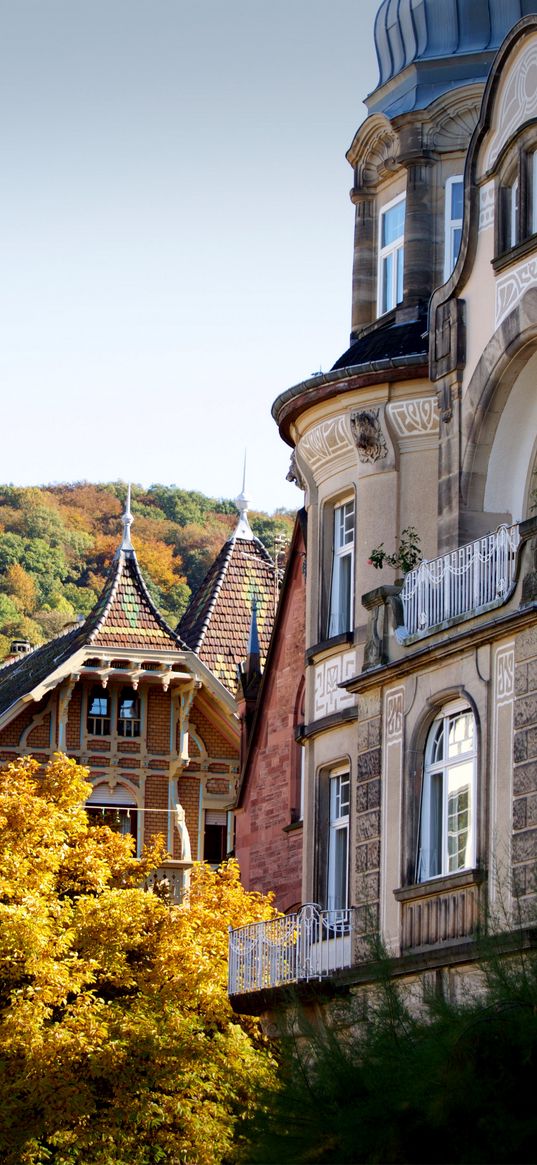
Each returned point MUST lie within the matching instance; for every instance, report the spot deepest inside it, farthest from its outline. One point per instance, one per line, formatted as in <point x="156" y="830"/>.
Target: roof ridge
<point x="125" y="558"/>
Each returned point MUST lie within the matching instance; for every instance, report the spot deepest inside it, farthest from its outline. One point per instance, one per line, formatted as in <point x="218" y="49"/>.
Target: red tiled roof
<point x="217" y="621"/>
<point x="126" y="616"/>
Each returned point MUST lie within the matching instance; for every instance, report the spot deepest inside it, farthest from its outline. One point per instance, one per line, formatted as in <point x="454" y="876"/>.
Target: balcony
<point x="311" y="944"/>
<point x="473" y="578"/>
<point x="444" y="910"/>
<point x="476" y="577"/>
<point x="171" y="881"/>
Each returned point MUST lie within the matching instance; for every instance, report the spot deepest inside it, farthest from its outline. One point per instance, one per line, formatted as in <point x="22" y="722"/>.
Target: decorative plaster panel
<point x="394" y="716"/>
<point x="518" y="102"/>
<point x="327" y="441"/>
<point x="511" y="287"/>
<point x="329" y="698"/>
<point x="412" y="418"/>
<point x="486" y="206"/>
<point x="505" y="675"/>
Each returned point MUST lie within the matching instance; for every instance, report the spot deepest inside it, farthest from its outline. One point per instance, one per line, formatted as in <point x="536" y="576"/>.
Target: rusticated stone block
<point x="525" y="711"/>
<point x="521" y="679"/>
<point x="361" y="798"/>
<point x="532" y="675"/>
<point x="374" y="728"/>
<point x="519" y="881"/>
<point x="532" y="742"/>
<point x="531" y="810"/>
<point x="520" y="813"/>
<point x="525" y="846"/>
<point x="369" y="765"/>
<point x="373" y="794"/>
<point x="362" y="861"/>
<point x="367" y="887"/>
<point x="373" y="855"/>
<point x="368" y="826"/>
<point x="526" y="644"/>
<point x="520" y="746"/>
<point x="525" y="779"/>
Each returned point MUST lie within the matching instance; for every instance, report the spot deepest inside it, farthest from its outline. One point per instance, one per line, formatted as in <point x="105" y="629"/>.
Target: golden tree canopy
<point x="119" y="1046"/>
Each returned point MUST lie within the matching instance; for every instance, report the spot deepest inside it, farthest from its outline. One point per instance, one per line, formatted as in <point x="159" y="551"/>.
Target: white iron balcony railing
<point x="477" y="575"/>
<point x="311" y="944"/>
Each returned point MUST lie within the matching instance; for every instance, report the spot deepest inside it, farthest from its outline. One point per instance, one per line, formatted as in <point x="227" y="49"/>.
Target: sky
<point x="175" y="232"/>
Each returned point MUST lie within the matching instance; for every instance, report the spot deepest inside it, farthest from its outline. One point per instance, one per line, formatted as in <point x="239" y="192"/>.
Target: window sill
<point x="342" y="640"/>
<point x="526" y="247"/>
<point x="293" y="826"/>
<point x="441" y="885"/>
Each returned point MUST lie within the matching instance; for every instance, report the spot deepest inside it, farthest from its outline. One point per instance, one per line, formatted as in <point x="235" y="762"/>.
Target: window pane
<point x="459" y="811"/>
<point x="460" y="734"/>
<point x="400" y="275"/>
<point x="339" y="895"/>
<point x="447" y="823"/>
<point x="393" y="223"/>
<point x="456" y="199"/>
<point x="99" y="706"/>
<point x="387" y="283"/>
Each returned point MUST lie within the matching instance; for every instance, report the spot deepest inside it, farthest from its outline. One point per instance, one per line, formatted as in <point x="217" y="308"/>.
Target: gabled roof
<point x="124" y="617"/>
<point x="216" y="623"/>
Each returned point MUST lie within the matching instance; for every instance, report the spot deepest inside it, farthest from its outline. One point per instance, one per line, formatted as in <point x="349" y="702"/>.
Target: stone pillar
<point x="364" y="275"/>
<point x="419" y="233"/>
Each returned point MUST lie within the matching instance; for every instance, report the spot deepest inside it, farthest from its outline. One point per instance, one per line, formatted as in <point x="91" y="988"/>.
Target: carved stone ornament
<point x="294" y="473"/>
<point x="368" y="435"/>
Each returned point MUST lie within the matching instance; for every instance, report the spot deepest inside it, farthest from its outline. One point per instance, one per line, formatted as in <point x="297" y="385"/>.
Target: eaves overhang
<point x="325" y="385"/>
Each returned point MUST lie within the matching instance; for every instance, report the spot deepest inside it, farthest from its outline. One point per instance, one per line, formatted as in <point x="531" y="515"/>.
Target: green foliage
<point x="118" y="1041"/>
<point x="406" y="557"/>
<point x="63" y="538"/>
<point x="452" y="1083"/>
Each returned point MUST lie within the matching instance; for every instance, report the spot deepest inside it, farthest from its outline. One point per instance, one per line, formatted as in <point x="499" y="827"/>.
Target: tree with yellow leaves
<point x="118" y="1045"/>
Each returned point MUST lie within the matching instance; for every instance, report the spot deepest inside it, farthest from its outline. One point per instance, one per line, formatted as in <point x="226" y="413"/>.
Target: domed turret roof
<point x="426" y="47"/>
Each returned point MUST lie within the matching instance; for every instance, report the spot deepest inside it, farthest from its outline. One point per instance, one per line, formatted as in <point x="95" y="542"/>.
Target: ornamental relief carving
<point x="325" y="442"/>
<point x="394" y="716"/>
<point x="329" y="697"/>
<point x="368" y="436"/>
<point x="505" y="675"/>
<point x="511" y="287"/>
<point x="413" y="418"/>
<point x="518" y="102"/>
<point x="486" y="206"/>
<point x="455" y="130"/>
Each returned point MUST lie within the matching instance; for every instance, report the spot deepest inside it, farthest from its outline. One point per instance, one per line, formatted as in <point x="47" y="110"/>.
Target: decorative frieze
<point x="518" y="102"/>
<point x="511" y="287"/>
<point x="327" y="442"/>
<point x="329" y="698"/>
<point x="486" y="206"/>
<point x="414" y="418"/>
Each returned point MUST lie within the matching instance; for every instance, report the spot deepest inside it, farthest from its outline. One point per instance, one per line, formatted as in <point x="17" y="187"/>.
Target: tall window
<point x="98" y="712"/>
<point x="453" y="227"/>
<point x="338" y="842"/>
<point x="448" y="811"/>
<point x="341" y="585"/>
<point x="391" y="255"/>
<point x="128" y="713"/>
<point x="513" y="196"/>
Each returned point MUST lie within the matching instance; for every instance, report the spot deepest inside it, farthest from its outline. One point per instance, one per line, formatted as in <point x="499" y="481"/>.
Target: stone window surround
<point x="516" y="169"/>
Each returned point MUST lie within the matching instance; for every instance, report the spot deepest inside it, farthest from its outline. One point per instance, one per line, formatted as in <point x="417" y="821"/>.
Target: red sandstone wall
<point x="270" y="856"/>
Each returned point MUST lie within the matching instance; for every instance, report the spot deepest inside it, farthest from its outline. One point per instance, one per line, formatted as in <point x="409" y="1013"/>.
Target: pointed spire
<point x="243" y="528"/>
<point x="127" y="520"/>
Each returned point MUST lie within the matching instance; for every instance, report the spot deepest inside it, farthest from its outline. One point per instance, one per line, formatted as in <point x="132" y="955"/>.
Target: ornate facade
<point x="420" y="813"/>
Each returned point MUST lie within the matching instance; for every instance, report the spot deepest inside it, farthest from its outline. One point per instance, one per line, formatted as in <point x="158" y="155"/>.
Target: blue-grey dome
<point x="416" y="39"/>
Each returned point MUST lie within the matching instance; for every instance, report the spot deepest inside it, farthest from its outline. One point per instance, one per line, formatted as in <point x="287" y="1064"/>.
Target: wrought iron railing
<point x="477" y="575"/>
<point x="311" y="944"/>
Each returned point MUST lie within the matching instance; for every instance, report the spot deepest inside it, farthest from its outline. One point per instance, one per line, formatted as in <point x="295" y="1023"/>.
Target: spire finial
<point x="127" y="520"/>
<point x="243" y="528"/>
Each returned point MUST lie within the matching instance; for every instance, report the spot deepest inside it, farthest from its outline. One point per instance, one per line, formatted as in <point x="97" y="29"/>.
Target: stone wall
<point x="367" y="819"/>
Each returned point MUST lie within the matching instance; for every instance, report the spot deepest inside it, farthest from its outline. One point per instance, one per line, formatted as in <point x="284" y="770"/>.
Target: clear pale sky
<point x="175" y="231"/>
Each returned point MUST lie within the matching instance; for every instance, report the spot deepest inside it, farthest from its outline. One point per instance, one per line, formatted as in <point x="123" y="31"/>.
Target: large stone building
<point x="420" y="806"/>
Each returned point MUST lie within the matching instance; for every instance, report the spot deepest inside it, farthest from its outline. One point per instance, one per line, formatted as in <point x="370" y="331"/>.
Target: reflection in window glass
<point x="391" y="256"/>
<point x="447" y="817"/>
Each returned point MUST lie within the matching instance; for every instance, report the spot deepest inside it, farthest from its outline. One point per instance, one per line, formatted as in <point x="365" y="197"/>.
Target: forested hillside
<point x="57" y="543"/>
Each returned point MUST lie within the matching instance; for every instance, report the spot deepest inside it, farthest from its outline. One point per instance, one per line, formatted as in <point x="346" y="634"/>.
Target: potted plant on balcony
<point x="406" y="557"/>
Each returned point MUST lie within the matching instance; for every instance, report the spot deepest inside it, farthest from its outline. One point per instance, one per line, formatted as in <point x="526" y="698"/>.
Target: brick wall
<point x="270" y="854"/>
<point x="158" y="721"/>
<point x="189" y="796"/>
<point x="74" y="713"/>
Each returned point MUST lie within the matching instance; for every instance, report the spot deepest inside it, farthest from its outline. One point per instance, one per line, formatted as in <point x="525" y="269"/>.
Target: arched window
<point x="447" y="833"/>
<point x="128" y="713"/>
<point x="99" y="712"/>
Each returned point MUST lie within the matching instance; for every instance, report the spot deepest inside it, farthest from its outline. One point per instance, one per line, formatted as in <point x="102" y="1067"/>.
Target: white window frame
<point x="434" y="859"/>
<point x="339" y="791"/>
<point x="514" y="214"/>
<point x="342" y="563"/>
<point x="451" y="225"/>
<point x="395" y="249"/>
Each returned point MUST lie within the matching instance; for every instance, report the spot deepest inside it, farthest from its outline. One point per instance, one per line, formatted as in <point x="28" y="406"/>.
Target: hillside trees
<point x="63" y="538"/>
<point x="118" y="1041"/>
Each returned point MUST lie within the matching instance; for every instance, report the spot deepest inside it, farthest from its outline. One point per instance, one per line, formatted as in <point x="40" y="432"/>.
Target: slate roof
<point x="124" y="617"/>
<point x="392" y="341"/>
<point x="216" y="623"/>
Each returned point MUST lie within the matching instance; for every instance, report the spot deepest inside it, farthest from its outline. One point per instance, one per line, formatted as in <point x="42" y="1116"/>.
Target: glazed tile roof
<point x="390" y="341"/>
<point x="216" y="624"/>
<point x="124" y="617"/>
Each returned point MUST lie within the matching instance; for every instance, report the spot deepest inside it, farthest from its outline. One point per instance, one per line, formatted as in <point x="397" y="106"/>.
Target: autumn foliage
<point x="57" y="544"/>
<point x="118" y="1041"/>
